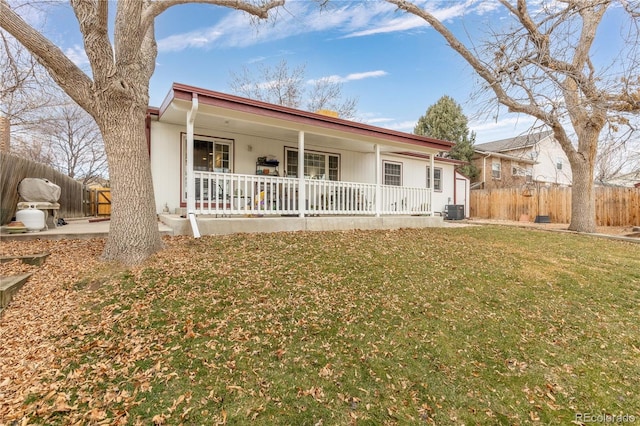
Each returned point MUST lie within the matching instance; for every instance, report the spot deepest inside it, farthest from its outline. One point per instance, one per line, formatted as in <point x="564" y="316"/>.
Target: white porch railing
<point x="236" y="194"/>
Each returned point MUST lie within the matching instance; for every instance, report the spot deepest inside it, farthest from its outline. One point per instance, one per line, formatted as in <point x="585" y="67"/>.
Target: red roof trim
<point x="237" y="103"/>
<point x="426" y="157"/>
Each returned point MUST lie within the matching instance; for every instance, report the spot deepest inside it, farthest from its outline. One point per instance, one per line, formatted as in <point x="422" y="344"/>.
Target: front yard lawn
<point x="476" y="325"/>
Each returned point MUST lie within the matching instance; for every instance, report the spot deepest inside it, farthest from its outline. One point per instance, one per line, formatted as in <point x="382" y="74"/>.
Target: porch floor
<point x="208" y="225"/>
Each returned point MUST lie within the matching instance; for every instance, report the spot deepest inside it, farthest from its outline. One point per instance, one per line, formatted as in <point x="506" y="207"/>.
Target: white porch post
<point x="378" y="169"/>
<point x="191" y="182"/>
<point x="433" y="184"/>
<point x="301" y="188"/>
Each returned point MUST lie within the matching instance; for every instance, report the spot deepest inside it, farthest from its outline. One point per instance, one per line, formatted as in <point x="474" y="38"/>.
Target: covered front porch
<point x="217" y="156"/>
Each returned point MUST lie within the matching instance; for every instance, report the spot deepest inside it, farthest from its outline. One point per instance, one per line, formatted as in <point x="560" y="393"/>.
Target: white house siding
<point x="446" y="196"/>
<point x="414" y="174"/>
<point x="545" y="154"/>
<point x="463" y="188"/>
<point x="546" y="169"/>
<point x="165" y="165"/>
<point x="166" y="158"/>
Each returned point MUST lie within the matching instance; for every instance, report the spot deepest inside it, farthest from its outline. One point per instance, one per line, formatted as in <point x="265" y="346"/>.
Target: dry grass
<point x="478" y="325"/>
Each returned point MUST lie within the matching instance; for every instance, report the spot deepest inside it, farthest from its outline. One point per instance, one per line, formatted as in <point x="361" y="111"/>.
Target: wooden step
<point x="10" y="286"/>
<point x="29" y="259"/>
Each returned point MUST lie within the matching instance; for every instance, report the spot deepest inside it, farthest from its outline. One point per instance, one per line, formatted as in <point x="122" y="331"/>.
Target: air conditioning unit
<point x="454" y="212"/>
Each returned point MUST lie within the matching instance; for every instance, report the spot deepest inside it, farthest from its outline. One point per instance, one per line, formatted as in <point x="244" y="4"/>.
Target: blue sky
<point x="392" y="62"/>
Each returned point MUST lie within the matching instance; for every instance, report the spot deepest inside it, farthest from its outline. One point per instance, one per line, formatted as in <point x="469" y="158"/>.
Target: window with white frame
<point x="209" y="155"/>
<point x="317" y="165"/>
<point x="437" y="178"/>
<point x="525" y="172"/>
<point x="496" y="170"/>
<point x="516" y="170"/>
<point x="559" y="163"/>
<point x="392" y="173"/>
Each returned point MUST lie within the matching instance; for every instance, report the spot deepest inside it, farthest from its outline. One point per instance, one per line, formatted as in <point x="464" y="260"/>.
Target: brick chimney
<point x="5" y="137"/>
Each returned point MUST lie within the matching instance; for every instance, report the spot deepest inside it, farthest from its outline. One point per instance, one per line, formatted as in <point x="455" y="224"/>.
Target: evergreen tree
<point x="445" y="120"/>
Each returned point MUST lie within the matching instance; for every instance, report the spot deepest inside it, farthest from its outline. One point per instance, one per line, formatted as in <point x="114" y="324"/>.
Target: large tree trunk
<point x="583" y="202"/>
<point x="133" y="233"/>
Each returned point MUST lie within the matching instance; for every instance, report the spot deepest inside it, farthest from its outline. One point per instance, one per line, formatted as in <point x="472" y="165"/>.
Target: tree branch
<point x="156" y="7"/>
<point x="487" y="74"/>
<point x="92" y="18"/>
<point x="67" y="74"/>
<point x="129" y="31"/>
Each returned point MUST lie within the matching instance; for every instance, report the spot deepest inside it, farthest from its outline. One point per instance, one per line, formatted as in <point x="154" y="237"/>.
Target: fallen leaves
<point x="316" y="328"/>
<point x="35" y="324"/>
<point x="314" y="392"/>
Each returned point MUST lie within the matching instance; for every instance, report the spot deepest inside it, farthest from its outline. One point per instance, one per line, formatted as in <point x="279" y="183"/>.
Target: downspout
<point x="484" y="169"/>
<point x="378" y="180"/>
<point x="191" y="181"/>
<point x="455" y="182"/>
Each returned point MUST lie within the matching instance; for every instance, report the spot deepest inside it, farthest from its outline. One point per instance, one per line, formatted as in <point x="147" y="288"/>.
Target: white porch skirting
<point x="233" y="225"/>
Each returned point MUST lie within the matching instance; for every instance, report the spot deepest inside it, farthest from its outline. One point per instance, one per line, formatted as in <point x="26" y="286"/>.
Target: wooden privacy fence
<point x="614" y="206"/>
<point x="13" y="169"/>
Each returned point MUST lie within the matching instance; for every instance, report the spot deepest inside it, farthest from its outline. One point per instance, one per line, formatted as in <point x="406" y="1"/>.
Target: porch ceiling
<point x="280" y="123"/>
<point x="212" y="118"/>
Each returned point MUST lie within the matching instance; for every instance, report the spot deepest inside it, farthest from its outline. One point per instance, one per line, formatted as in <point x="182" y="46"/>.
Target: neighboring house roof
<point x="506" y="157"/>
<point x="628" y="179"/>
<point x="510" y="144"/>
<point x="217" y="103"/>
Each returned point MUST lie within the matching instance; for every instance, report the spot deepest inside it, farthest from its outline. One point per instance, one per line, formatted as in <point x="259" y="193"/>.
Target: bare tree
<point x="24" y="87"/>
<point x="326" y="94"/>
<point x="282" y="85"/>
<point x="116" y="95"/>
<point x="48" y="127"/>
<point x="543" y="66"/>
<point x="615" y="157"/>
<point x="75" y="139"/>
<point x="34" y="148"/>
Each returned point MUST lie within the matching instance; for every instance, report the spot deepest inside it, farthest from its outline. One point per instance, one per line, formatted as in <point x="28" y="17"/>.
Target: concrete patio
<point x="171" y="224"/>
<point x="84" y="228"/>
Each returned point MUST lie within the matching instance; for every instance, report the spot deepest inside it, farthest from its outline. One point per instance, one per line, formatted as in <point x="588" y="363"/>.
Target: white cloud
<point x="378" y="121"/>
<point x="345" y="19"/>
<point x="405" y="23"/>
<point x="257" y="59"/>
<point x="390" y="22"/>
<point x="387" y="123"/>
<point x="193" y="39"/>
<point x="401" y="126"/>
<point x="351" y="77"/>
<point x="237" y="29"/>
<point x="363" y="75"/>
<point x="77" y="55"/>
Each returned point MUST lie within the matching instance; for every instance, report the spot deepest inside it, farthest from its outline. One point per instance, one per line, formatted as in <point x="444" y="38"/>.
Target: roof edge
<point x="205" y="96"/>
<point x="505" y="156"/>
